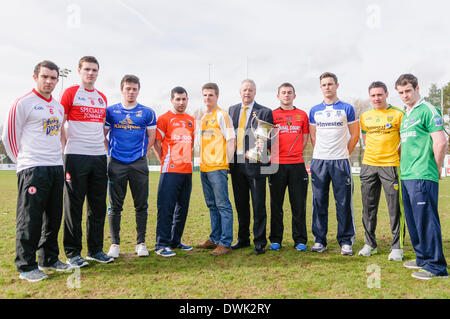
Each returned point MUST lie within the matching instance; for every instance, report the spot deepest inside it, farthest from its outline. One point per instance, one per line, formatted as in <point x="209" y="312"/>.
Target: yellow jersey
<point x="216" y="130"/>
<point x="382" y="129"/>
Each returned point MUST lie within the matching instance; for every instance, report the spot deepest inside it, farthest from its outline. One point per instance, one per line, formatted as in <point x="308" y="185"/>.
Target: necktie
<point x="241" y="130"/>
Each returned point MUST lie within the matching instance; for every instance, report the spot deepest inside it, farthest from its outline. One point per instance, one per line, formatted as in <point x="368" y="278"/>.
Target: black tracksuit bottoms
<point x="295" y="178"/>
<point x="86" y="176"/>
<point x="38" y="216"/>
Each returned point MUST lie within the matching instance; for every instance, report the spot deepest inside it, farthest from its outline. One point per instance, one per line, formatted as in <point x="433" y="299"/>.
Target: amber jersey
<point x="382" y="129"/>
<point x="216" y="130"/>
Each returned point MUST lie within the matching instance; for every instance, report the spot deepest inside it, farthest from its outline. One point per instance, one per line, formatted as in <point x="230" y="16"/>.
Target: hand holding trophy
<point x="262" y="134"/>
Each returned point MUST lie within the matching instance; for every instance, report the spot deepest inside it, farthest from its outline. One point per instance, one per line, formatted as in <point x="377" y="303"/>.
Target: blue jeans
<point x="215" y="190"/>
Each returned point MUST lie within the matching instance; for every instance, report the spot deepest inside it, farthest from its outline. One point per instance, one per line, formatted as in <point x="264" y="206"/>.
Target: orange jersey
<point x="176" y="132"/>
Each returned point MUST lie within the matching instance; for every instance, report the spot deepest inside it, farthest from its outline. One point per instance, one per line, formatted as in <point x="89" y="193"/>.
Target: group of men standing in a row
<point x="35" y="138"/>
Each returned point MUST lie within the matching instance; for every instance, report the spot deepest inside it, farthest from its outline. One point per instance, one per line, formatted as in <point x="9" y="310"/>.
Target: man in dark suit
<point x="247" y="176"/>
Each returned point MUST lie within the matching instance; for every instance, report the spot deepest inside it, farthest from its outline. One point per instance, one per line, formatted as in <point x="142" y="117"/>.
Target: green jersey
<point x="417" y="156"/>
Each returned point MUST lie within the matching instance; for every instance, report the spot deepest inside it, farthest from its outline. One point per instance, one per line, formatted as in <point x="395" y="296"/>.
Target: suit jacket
<point x="252" y="169"/>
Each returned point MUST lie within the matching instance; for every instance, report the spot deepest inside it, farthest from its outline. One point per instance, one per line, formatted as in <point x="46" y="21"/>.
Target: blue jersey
<point x="128" y="138"/>
<point x="332" y="134"/>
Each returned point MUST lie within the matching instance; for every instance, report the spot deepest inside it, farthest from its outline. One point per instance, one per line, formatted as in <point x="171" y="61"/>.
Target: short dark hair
<point x="406" y="79"/>
<point x="89" y="59"/>
<point x="378" y="84"/>
<point x="286" y="84"/>
<point x="177" y="90"/>
<point x="211" y="86"/>
<point x="130" y="79"/>
<point x="329" y="75"/>
<point x="46" y="64"/>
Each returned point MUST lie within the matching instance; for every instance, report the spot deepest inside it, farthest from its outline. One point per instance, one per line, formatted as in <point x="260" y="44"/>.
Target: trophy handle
<point x="278" y="131"/>
<point x="251" y="123"/>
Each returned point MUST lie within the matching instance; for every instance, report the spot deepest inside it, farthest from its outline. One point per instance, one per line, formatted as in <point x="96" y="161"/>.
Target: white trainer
<point x="367" y="251"/>
<point x="346" y="250"/>
<point x="114" y="251"/>
<point x="141" y="250"/>
<point x="318" y="248"/>
<point x="396" y="255"/>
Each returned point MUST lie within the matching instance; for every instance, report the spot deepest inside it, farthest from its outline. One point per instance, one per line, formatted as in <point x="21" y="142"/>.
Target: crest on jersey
<point x="390" y="118"/>
<point x="438" y="121"/>
<point x="51" y="126"/>
<point x="100" y="101"/>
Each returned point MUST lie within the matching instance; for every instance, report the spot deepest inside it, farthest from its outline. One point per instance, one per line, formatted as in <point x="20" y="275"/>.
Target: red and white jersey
<point x="86" y="112"/>
<point x="31" y="134"/>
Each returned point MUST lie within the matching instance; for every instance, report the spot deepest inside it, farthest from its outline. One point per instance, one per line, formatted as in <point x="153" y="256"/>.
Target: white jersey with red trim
<point x="86" y="111"/>
<point x="31" y="134"/>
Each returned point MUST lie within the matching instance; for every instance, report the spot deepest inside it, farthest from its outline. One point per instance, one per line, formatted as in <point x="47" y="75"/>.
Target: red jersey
<point x="86" y="111"/>
<point x="176" y="131"/>
<point x="287" y="147"/>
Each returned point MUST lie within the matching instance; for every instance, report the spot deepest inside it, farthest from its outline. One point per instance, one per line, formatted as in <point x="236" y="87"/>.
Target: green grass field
<point x="198" y="275"/>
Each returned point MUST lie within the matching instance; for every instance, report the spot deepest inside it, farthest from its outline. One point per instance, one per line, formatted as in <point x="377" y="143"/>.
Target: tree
<point x="441" y="101"/>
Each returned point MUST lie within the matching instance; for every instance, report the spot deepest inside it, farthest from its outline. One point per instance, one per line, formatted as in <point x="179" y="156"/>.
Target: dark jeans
<point x="174" y="193"/>
<point x="295" y="178"/>
<point x="120" y="175"/>
<point x="85" y="177"/>
<point x="39" y="214"/>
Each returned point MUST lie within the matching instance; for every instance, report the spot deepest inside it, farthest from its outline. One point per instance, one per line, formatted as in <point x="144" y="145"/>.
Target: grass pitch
<point x="198" y="275"/>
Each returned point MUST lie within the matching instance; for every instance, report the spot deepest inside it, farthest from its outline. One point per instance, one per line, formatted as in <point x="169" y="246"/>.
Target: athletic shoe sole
<point x="100" y="261"/>
<point x="373" y="252"/>
<point x="55" y="269"/>
<point x="321" y="250"/>
<point x="347" y="253"/>
<point x="32" y="280"/>
<point x="411" y="267"/>
<point x="78" y="266"/>
<point x="143" y="255"/>
<point x="395" y="259"/>
<point x="427" y="278"/>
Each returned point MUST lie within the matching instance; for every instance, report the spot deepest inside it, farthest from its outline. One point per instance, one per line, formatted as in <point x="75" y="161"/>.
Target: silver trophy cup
<point x="262" y="134"/>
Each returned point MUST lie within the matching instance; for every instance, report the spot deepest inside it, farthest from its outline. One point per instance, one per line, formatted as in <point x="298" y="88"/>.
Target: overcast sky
<point x="188" y="43"/>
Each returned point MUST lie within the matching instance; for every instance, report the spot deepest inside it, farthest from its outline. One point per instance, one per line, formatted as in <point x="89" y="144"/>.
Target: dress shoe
<point x="259" y="249"/>
<point x="207" y="245"/>
<point x="240" y="244"/>
<point x="221" y="250"/>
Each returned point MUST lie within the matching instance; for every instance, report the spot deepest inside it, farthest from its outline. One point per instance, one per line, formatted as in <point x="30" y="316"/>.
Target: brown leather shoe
<point x="221" y="250"/>
<point x="207" y="245"/>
